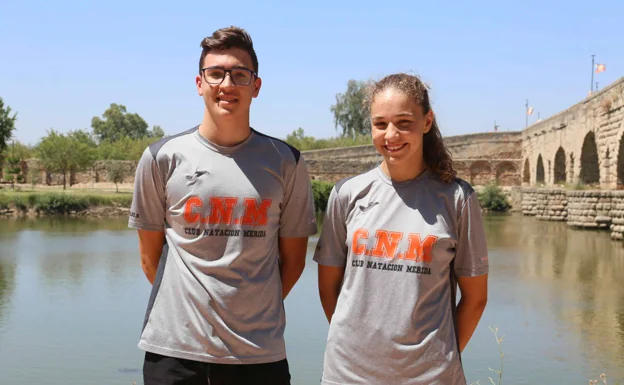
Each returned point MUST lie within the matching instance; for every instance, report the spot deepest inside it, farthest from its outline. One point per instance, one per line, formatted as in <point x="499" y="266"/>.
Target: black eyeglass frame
<point x="228" y="71"/>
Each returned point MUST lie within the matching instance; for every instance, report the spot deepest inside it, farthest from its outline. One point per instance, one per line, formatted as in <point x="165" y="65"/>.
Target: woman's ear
<point x="429" y="118"/>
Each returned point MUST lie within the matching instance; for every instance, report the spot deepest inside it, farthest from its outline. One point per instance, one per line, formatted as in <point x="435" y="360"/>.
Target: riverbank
<point x="76" y="202"/>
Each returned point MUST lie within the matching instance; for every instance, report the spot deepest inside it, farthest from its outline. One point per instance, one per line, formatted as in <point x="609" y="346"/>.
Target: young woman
<point x="395" y="244"/>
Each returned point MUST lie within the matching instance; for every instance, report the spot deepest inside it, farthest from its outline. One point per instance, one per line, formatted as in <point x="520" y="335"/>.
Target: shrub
<point x="321" y="192"/>
<point x="492" y="198"/>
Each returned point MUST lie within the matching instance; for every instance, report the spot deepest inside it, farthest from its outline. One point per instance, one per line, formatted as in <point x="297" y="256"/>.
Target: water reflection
<point x="7" y="287"/>
<point x="579" y="273"/>
<point x="72" y="290"/>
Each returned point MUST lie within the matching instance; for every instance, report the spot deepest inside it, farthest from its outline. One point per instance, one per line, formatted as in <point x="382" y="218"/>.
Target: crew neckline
<point x="386" y="179"/>
<point x="224" y="149"/>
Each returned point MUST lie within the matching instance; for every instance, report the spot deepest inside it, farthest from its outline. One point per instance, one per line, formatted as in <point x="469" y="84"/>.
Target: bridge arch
<point x="590" y="171"/>
<point x="507" y="174"/>
<point x="480" y="172"/>
<point x="539" y="170"/>
<point x="620" y="160"/>
<point x="560" y="166"/>
<point x="526" y="175"/>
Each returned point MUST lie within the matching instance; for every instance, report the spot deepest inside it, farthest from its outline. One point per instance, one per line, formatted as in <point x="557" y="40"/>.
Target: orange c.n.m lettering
<point x="387" y="243"/>
<point x="256" y="214"/>
<point x="221" y="210"/>
<point x="355" y="246"/>
<point x="420" y="250"/>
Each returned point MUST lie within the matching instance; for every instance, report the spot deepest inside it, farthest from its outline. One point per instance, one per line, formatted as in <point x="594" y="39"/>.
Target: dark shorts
<point x="162" y="370"/>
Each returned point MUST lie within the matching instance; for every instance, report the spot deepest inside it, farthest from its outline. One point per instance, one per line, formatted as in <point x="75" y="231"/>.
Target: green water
<point x="72" y="300"/>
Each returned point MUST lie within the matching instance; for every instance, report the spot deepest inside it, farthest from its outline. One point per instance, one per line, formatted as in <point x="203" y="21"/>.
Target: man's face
<point x="232" y="97"/>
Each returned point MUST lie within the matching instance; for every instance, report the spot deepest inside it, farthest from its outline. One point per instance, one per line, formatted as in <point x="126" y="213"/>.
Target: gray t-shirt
<point x="217" y="296"/>
<point x="402" y="246"/>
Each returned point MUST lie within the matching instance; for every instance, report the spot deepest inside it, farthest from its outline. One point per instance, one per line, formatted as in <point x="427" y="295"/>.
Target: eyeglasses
<point x="239" y="76"/>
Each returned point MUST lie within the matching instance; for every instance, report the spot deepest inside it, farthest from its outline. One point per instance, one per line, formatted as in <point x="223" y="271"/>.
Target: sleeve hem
<point x="324" y="262"/>
<point x="300" y="234"/>
<point x="471" y="272"/>
<point x="145" y="226"/>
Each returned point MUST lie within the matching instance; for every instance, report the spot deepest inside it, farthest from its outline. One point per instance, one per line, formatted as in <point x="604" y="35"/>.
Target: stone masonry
<point x="588" y="209"/>
<point x="580" y="145"/>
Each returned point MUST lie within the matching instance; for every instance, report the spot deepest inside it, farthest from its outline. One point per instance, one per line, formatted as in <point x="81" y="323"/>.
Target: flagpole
<point x="526" y="114"/>
<point x="592" y="74"/>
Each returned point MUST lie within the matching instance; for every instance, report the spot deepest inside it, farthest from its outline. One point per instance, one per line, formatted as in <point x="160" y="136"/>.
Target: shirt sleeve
<point x="331" y="249"/>
<point x="471" y="258"/>
<point x="147" y="211"/>
<point x="298" y="217"/>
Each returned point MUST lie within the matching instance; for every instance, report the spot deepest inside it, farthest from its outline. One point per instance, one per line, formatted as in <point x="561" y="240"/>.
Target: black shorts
<point x="163" y="370"/>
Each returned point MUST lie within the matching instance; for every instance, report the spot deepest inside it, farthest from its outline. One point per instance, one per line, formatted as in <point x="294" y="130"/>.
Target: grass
<point x="59" y="202"/>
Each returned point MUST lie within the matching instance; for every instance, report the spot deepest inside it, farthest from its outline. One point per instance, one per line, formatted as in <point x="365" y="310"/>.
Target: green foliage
<point x="115" y="173"/>
<point x="349" y="112"/>
<point x="60" y="203"/>
<point x="118" y="123"/>
<point x="124" y="149"/>
<point x="62" y="153"/>
<point x="492" y="198"/>
<point x="34" y="173"/>
<point x="321" y="191"/>
<point x="7" y="125"/>
<point x="299" y="140"/>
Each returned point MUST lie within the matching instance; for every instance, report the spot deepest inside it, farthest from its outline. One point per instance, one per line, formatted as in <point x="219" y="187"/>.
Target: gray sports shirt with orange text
<point x="217" y="296"/>
<point x="402" y="245"/>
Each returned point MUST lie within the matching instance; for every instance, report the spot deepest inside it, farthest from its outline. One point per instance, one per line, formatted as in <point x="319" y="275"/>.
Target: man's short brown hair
<point x="226" y="38"/>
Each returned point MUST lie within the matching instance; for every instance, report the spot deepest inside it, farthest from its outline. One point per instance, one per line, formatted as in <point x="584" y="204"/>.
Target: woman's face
<point x="398" y="126"/>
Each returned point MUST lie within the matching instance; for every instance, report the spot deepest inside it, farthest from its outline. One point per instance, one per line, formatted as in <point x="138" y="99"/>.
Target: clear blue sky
<point x="63" y="62"/>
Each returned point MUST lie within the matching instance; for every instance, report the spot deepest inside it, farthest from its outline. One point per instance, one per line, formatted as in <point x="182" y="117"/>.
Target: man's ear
<point x="257" y="86"/>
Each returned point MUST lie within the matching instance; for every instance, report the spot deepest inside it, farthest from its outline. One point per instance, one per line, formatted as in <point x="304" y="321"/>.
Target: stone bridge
<point x="579" y="146"/>
<point x="478" y="158"/>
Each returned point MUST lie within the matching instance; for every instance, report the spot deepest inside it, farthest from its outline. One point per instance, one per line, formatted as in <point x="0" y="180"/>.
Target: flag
<point x="600" y="68"/>
<point x="530" y="111"/>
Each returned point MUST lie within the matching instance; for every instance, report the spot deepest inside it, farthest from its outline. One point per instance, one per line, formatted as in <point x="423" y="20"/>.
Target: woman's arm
<point x="329" y="282"/>
<point x="470" y="307"/>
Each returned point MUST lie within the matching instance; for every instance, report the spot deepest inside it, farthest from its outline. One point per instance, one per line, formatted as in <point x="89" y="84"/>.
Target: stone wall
<point x="582" y="144"/>
<point x="97" y="174"/>
<point x="589" y="209"/>
<point x="477" y="158"/>
<point x="545" y="204"/>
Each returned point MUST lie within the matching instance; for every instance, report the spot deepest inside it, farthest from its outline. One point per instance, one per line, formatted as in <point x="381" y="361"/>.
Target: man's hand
<point x="292" y="261"/>
<point x="150" y="247"/>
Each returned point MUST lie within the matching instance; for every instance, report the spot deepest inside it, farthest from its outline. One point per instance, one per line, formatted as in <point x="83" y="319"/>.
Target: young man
<point x="223" y="214"/>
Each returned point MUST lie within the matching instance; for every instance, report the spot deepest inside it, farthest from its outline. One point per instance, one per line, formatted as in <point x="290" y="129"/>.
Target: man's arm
<point x="329" y="282"/>
<point x="150" y="248"/>
<point x="470" y="307"/>
<point x="292" y="261"/>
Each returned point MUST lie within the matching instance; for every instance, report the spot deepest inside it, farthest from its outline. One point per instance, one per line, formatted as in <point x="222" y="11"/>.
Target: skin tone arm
<point x="150" y="247"/>
<point x="329" y="282"/>
<point x="470" y="307"/>
<point x="292" y="261"/>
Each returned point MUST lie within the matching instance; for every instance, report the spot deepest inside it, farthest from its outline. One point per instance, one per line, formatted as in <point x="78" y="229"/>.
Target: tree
<point x="66" y="153"/>
<point x="299" y="140"/>
<point x="118" y="123"/>
<point x="349" y="112"/>
<point x="115" y="173"/>
<point x="7" y="125"/>
<point x="157" y="132"/>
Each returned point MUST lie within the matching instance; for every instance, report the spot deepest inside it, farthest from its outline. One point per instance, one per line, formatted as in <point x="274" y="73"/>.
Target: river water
<point x="72" y="300"/>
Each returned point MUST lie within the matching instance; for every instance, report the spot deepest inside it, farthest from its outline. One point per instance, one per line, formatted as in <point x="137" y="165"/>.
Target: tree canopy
<point x="7" y="125"/>
<point x="118" y="123"/>
<point x="349" y="112"/>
